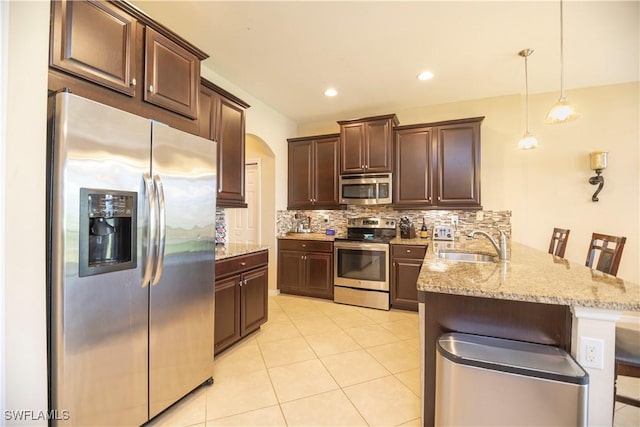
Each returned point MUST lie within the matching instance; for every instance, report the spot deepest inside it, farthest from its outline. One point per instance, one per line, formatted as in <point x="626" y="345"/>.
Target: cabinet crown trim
<point x="147" y="20"/>
<point x="441" y="123"/>
<point x="313" y="137"/>
<point x="392" y="117"/>
<point x="223" y="92"/>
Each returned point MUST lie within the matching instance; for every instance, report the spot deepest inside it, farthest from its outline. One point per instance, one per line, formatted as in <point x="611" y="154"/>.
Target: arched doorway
<point x="257" y="223"/>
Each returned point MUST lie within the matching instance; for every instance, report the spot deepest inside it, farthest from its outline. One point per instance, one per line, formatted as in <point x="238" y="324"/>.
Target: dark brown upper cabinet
<point x="95" y="41"/>
<point x="172" y="75"/>
<point x="313" y="172"/>
<point x="115" y="46"/>
<point x="221" y="118"/>
<point x="438" y="165"/>
<point x="366" y="144"/>
<point x="458" y="160"/>
<point x="414" y="161"/>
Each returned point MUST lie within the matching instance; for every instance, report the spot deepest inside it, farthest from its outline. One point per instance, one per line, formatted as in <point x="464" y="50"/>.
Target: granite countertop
<point x="309" y="236"/>
<point x="415" y="241"/>
<point x="229" y="250"/>
<point x="530" y="275"/>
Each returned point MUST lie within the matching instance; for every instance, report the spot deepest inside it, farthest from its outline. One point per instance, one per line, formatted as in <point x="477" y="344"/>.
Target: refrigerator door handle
<point x="151" y="229"/>
<point x="162" y="228"/>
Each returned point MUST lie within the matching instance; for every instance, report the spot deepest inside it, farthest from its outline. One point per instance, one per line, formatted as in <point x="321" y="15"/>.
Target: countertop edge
<point x="230" y="250"/>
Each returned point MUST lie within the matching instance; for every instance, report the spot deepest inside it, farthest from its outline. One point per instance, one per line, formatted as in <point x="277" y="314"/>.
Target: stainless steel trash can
<point x="483" y="381"/>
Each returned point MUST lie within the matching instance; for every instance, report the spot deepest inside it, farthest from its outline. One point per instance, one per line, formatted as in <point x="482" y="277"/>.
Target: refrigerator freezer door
<point x="98" y="323"/>
<point x="181" y="295"/>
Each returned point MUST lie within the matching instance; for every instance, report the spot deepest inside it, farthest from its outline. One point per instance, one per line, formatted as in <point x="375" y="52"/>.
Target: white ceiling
<point x="287" y="53"/>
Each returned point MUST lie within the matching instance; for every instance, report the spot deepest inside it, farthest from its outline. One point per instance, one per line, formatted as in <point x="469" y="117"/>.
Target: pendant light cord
<point x="526" y="94"/>
<point x="561" y="52"/>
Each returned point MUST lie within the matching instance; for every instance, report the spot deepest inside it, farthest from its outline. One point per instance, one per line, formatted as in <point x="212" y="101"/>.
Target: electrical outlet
<point x="591" y="352"/>
<point x="454" y="221"/>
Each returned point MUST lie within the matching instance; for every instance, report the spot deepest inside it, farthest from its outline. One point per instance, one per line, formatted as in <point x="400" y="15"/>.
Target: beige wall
<point x="548" y="187"/>
<point x="25" y="384"/>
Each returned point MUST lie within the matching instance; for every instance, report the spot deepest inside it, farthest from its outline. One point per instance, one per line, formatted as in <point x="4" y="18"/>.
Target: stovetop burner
<point x="370" y="229"/>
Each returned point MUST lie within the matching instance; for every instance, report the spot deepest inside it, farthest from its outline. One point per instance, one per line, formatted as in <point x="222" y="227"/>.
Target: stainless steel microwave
<point x="367" y="189"/>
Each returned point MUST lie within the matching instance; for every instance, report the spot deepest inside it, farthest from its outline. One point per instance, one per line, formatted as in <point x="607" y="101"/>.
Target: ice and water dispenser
<point x="107" y="231"/>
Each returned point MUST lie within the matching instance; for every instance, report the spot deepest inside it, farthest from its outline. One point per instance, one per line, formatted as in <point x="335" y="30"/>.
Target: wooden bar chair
<point x="627" y="361"/>
<point x="607" y="250"/>
<point x="558" y="243"/>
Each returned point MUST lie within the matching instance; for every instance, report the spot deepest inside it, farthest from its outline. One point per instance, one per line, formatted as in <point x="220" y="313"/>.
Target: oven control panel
<point x="443" y="232"/>
<point x="371" y="223"/>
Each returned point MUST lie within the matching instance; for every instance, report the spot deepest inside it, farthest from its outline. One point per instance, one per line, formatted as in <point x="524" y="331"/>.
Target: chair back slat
<point x="558" y="243"/>
<point x="607" y="250"/>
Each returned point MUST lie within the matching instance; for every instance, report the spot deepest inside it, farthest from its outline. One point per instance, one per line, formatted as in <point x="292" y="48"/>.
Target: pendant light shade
<point x="527" y="141"/>
<point x="562" y="111"/>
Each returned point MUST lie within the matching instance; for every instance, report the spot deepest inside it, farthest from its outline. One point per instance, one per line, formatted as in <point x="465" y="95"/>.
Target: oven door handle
<point x="362" y="246"/>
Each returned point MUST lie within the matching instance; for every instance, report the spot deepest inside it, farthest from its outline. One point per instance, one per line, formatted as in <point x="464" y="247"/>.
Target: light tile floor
<point x="316" y="363"/>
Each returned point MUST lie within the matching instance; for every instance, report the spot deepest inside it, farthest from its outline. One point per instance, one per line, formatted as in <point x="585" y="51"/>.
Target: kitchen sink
<point x="466" y="256"/>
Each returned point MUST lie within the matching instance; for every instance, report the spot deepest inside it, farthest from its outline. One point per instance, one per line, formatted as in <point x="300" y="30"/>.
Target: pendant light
<point x="562" y="111"/>
<point x="528" y="141"/>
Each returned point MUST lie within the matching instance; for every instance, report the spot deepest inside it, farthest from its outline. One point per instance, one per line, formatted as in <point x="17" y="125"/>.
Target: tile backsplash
<point x="490" y="221"/>
<point x="221" y="227"/>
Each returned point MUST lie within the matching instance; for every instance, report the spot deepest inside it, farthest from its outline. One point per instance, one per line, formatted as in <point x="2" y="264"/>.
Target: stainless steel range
<point x="361" y="268"/>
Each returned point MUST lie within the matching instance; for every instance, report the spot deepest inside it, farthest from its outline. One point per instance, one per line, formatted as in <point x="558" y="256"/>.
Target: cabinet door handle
<point x="240" y="282"/>
<point x="150" y="88"/>
<point x="133" y="82"/>
<point x="408" y="251"/>
<point x="243" y="264"/>
<point x="304" y="245"/>
<point x="438" y="198"/>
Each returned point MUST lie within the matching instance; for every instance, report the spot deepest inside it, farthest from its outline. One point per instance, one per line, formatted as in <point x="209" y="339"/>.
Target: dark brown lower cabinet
<point x="406" y="261"/>
<point x="240" y="297"/>
<point x="305" y="267"/>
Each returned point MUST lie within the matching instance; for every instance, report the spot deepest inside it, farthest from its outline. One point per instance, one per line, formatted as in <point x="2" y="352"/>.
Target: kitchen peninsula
<point x="533" y="297"/>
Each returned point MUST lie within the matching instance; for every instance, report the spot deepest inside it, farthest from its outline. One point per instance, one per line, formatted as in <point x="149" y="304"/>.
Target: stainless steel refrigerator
<point x="131" y="243"/>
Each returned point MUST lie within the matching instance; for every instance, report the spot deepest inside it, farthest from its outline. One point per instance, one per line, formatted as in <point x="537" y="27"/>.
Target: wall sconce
<point x="598" y="163"/>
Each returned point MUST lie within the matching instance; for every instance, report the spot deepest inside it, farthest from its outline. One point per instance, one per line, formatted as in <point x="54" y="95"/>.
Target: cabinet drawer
<point x="241" y="263"/>
<point x="305" y="245"/>
<point x="408" y="251"/>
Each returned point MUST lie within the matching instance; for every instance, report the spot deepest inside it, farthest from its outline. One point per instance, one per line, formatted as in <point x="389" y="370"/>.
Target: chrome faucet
<point x="501" y="248"/>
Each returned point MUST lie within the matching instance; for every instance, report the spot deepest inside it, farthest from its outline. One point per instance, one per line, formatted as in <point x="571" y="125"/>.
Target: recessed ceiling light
<point x="425" y="75"/>
<point x="330" y="92"/>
